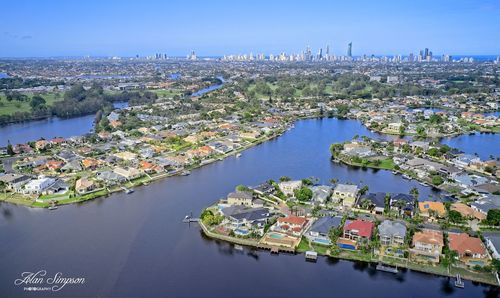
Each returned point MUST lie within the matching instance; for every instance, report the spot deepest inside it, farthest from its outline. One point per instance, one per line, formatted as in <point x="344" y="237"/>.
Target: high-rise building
<point x="327" y="57"/>
<point x="349" y="50"/>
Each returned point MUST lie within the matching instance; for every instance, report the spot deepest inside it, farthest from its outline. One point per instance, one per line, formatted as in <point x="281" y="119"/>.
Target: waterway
<point x="136" y="246"/>
<point x="22" y="132"/>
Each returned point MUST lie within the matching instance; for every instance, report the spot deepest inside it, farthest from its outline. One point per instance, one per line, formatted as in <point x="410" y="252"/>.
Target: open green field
<point x="166" y="92"/>
<point x="10" y="107"/>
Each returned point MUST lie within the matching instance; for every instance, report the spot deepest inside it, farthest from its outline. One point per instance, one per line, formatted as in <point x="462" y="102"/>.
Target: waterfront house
<point x="125" y="155"/>
<point x="320" y="229"/>
<point x="493" y="243"/>
<point x="358" y="230"/>
<point x="84" y="185"/>
<point x="288" y="187"/>
<point x="110" y="178"/>
<point x="321" y="193"/>
<point x="12" y="180"/>
<point x="37" y="186"/>
<point x="392" y="233"/>
<point x="471" y="250"/>
<point x="128" y="173"/>
<point x="243" y="220"/>
<point x="464" y="160"/>
<point x="240" y="198"/>
<point x="347" y="193"/>
<point x="403" y="203"/>
<point x="427" y="246"/>
<point x="292" y="225"/>
<point x="264" y="188"/>
<point x="375" y="202"/>
<point x="431" y="209"/>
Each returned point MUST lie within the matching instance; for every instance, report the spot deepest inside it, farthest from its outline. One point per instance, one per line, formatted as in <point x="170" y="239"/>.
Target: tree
<point x="364" y="190"/>
<point x="455" y="216"/>
<point x="10" y="150"/>
<point x="437" y="180"/>
<point x="493" y="217"/>
<point x="414" y="192"/>
<point x="303" y="194"/>
<point x="37" y="101"/>
<point x="242" y="188"/>
<point x="285" y="178"/>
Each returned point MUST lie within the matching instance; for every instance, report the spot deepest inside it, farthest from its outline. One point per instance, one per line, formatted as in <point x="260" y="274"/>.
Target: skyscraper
<point x="349" y="50"/>
<point x="327" y="52"/>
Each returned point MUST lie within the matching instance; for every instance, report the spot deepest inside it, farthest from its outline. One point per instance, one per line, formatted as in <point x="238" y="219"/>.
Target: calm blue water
<point x="485" y="145"/>
<point x="136" y="245"/>
<point x="3" y="75"/>
<point x="209" y="88"/>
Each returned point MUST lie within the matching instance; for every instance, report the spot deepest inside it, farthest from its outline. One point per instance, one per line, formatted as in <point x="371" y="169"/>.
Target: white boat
<point x="238" y="247"/>
<point x="238" y="155"/>
<point x="423" y="183"/>
<point x="395" y="172"/>
<point x="129" y="191"/>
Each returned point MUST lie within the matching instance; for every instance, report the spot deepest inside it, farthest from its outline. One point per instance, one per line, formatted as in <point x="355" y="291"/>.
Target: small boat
<point x="459" y="283"/>
<point x="53" y="207"/>
<point x="395" y="172"/>
<point x="382" y="267"/>
<point x="423" y="183"/>
<point x="238" y="155"/>
<point x="185" y="173"/>
<point x="129" y="191"/>
<point x="406" y="177"/>
<point x="238" y="247"/>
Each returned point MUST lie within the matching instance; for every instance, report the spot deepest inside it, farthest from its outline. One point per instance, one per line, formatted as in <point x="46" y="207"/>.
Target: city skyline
<point x="122" y="29"/>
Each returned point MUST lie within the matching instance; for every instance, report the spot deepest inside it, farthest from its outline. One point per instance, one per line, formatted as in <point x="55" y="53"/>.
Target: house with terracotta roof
<point x="358" y="230"/>
<point x="467" y="211"/>
<point x="427" y="246"/>
<point x="293" y="225"/>
<point x="431" y="209"/>
<point x="471" y="250"/>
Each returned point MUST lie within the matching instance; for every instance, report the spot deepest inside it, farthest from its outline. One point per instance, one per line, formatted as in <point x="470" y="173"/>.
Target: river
<point x="136" y="246"/>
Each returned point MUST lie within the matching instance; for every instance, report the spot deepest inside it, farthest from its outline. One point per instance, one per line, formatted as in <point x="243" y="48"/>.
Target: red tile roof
<point x="292" y="219"/>
<point x="364" y="228"/>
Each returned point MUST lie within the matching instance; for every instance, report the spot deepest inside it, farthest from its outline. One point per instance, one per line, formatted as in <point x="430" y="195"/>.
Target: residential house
<point x="427" y="246"/>
<point x="243" y="220"/>
<point x="38" y="186"/>
<point x="358" y="230"/>
<point x="128" y="173"/>
<point x="288" y="187"/>
<point x="471" y="250"/>
<point x="292" y="225"/>
<point x="403" y="203"/>
<point x="84" y="185"/>
<point x="467" y="211"/>
<point x="375" y="202"/>
<point x="321" y="193"/>
<point x="432" y="209"/>
<point x="320" y="229"/>
<point x="347" y="193"/>
<point x="392" y="233"/>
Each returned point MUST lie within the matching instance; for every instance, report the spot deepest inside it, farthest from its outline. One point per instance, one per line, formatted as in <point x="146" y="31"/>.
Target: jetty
<point x="311" y="256"/>
<point x="459" y="283"/>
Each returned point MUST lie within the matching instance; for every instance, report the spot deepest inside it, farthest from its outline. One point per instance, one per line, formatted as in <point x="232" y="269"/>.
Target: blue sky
<point x="125" y="28"/>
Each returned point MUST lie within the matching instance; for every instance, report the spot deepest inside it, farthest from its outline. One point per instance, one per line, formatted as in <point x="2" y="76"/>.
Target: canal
<point x="136" y="245"/>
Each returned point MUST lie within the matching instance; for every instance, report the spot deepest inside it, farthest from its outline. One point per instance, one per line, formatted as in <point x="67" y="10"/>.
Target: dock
<point x="389" y="269"/>
<point x="311" y="256"/>
<point x="275" y="250"/>
<point x="459" y="283"/>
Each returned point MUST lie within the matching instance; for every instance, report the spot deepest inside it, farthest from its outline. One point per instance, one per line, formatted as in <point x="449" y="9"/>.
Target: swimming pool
<point x="322" y="241"/>
<point x="276" y="236"/>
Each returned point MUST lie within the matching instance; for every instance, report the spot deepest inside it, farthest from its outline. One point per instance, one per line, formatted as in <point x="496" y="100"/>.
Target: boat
<point x="406" y="177"/>
<point x="423" y="183"/>
<point x="459" y="283"/>
<point x="52" y="207"/>
<point x="238" y="247"/>
<point x="129" y="190"/>
<point x="395" y="172"/>
<point x="389" y="269"/>
<point x="185" y="173"/>
<point x="238" y="155"/>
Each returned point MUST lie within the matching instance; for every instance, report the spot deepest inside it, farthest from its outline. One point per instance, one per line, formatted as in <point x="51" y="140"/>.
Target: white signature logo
<point x="40" y="281"/>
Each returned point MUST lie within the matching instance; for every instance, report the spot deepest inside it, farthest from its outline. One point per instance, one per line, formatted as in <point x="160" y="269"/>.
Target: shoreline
<point x="21" y="200"/>
<point x="407" y="265"/>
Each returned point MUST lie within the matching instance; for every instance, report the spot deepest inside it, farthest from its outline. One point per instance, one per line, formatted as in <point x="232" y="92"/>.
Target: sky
<point x="50" y="28"/>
